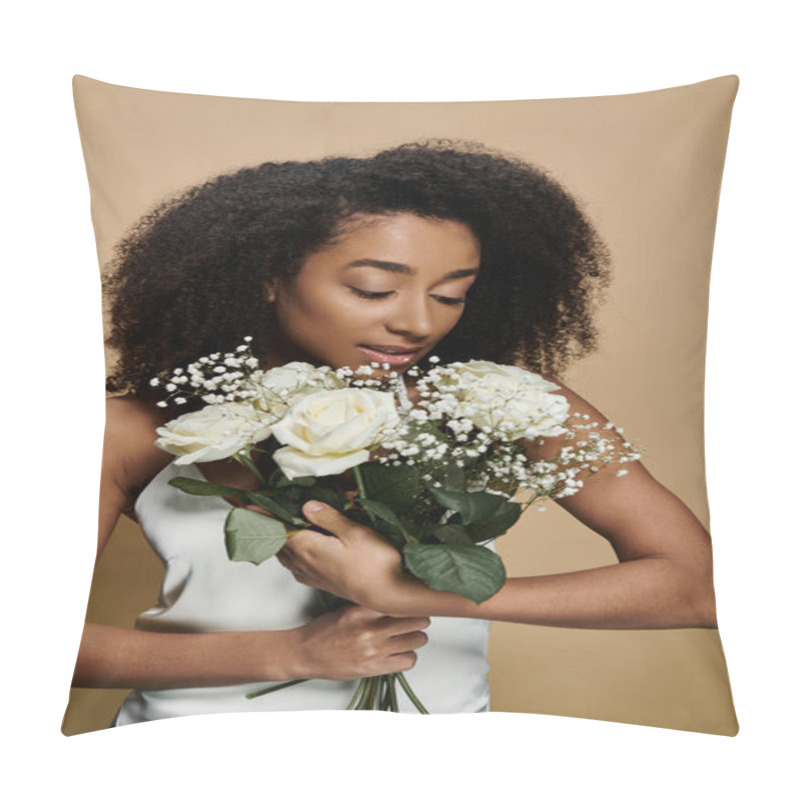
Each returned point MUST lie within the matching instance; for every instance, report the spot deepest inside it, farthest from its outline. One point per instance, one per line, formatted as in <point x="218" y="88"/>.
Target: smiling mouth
<point x="389" y="355"/>
<point x="391" y="350"/>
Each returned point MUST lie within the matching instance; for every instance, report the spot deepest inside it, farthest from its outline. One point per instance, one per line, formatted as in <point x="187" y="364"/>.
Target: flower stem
<point x="531" y="502"/>
<point x="411" y="696"/>
<point x="244" y="458"/>
<point x="393" y="694"/>
<point x="362" y="492"/>
<point x="369" y="701"/>
<point x="355" y="699"/>
<point x="270" y="689"/>
<point x="383" y="704"/>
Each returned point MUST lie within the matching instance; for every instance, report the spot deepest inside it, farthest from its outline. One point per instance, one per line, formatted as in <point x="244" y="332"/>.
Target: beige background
<point x="648" y="169"/>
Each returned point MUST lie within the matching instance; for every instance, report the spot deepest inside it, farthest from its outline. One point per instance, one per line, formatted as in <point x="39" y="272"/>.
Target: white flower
<point x="215" y="432"/>
<point x="279" y="387"/>
<point x="506" y="400"/>
<point x="328" y="432"/>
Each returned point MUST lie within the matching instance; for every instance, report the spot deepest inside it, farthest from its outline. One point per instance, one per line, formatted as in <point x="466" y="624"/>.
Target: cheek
<point x="450" y="319"/>
<point x="306" y="305"/>
<point x="325" y="315"/>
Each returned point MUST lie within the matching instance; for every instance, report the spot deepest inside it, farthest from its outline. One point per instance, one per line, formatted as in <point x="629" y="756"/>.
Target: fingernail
<point x="312" y="506"/>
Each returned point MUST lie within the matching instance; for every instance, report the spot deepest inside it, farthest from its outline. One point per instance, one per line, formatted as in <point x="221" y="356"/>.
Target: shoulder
<point x="577" y="403"/>
<point x="582" y="414"/>
<point x="128" y="414"/>
<point x="130" y="456"/>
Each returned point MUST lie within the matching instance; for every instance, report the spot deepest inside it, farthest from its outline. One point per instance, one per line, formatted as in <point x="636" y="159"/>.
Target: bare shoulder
<point x="130" y="456"/>
<point x="590" y="418"/>
<point x="577" y="404"/>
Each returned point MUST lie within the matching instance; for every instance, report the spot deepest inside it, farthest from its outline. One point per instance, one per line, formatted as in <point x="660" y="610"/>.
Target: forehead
<point x="419" y="243"/>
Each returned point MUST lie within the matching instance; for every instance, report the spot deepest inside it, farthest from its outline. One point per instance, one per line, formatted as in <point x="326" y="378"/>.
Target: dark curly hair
<point x="189" y="278"/>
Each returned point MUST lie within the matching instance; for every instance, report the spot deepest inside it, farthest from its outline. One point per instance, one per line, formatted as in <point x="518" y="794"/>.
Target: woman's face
<point x="387" y="290"/>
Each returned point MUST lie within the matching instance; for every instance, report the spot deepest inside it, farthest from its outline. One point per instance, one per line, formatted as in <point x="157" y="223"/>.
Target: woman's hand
<point x="356" y="642"/>
<point x="355" y="563"/>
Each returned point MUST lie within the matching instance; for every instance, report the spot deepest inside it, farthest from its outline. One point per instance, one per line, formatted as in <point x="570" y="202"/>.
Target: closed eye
<point x="448" y="301"/>
<point x="369" y="295"/>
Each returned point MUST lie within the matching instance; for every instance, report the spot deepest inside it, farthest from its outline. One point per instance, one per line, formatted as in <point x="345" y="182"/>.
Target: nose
<point x="412" y="317"/>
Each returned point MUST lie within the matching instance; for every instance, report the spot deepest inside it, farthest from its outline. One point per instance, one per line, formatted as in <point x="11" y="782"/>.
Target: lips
<point x="391" y="349"/>
<point x="394" y="356"/>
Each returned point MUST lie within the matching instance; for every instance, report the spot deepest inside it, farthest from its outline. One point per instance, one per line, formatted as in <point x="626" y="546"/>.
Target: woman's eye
<point x="448" y="301"/>
<point x="369" y="295"/>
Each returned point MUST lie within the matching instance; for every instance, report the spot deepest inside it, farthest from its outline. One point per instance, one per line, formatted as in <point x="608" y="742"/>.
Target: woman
<point x="421" y="250"/>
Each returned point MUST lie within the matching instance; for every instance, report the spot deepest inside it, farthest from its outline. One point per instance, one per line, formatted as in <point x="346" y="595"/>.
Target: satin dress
<point x="203" y="591"/>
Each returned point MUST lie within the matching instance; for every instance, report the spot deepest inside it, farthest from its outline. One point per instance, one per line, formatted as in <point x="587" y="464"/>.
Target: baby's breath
<point x="215" y="378"/>
<point x="460" y="422"/>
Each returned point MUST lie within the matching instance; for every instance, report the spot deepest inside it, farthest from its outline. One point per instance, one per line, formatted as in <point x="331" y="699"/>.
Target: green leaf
<point x="454" y="478"/>
<point x="474" y="507"/>
<point x="382" y="511"/>
<point x="327" y="495"/>
<point x="385" y="529"/>
<point x="472" y="571"/>
<point x="448" y="534"/>
<point x="275" y="507"/>
<point x="206" y="489"/>
<point x="278" y="480"/>
<point x="293" y="495"/>
<point x="499" y="523"/>
<point x="253" y="537"/>
<point x="396" y="487"/>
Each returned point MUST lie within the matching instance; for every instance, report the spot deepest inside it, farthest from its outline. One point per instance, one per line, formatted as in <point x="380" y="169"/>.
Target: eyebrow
<point x="393" y="266"/>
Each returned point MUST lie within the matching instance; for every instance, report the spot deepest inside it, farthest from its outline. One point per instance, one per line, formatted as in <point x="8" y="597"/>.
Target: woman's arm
<point x="663" y="580"/>
<point x="348" y="644"/>
<point x="351" y="643"/>
<point x="122" y="658"/>
<point x="115" y="657"/>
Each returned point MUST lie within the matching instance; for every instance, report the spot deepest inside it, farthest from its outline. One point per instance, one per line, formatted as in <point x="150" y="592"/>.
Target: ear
<point x="269" y="292"/>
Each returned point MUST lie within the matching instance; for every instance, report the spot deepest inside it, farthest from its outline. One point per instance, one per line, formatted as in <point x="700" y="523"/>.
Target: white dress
<point x="204" y="591"/>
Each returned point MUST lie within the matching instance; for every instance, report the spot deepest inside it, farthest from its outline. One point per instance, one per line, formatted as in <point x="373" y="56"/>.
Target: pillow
<point x="644" y="171"/>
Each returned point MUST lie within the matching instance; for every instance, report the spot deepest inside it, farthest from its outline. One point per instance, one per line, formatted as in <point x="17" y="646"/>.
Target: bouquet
<point x="436" y="480"/>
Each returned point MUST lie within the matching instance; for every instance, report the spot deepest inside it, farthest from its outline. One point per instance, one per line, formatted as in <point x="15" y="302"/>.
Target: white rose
<point x="280" y="387"/>
<point x="214" y="432"/>
<point x="506" y="400"/>
<point x="328" y="432"/>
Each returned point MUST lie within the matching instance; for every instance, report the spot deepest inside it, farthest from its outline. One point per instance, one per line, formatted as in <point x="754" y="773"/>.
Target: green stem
<point x="369" y="702"/>
<point x="361" y="489"/>
<point x="355" y="699"/>
<point x="411" y="696"/>
<point x="270" y="689"/>
<point x="244" y="458"/>
<point x="530" y="502"/>
<point x="393" y="706"/>
<point x="364" y="685"/>
<point x="385" y="704"/>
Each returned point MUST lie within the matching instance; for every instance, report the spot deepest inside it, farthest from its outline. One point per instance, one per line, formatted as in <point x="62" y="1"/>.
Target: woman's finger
<point x="288" y="561"/>
<point x="406" y="642"/>
<point x="294" y="568"/>
<point x="397" y="626"/>
<point x="400" y="662"/>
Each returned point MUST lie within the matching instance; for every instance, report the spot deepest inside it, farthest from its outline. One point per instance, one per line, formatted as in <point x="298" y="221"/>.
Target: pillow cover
<point x="645" y="170"/>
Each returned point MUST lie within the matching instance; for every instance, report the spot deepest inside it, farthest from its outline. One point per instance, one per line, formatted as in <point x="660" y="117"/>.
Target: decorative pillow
<point x="592" y="223"/>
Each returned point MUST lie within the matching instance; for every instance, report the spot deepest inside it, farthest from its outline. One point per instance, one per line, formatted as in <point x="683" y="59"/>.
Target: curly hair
<point x="189" y="278"/>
